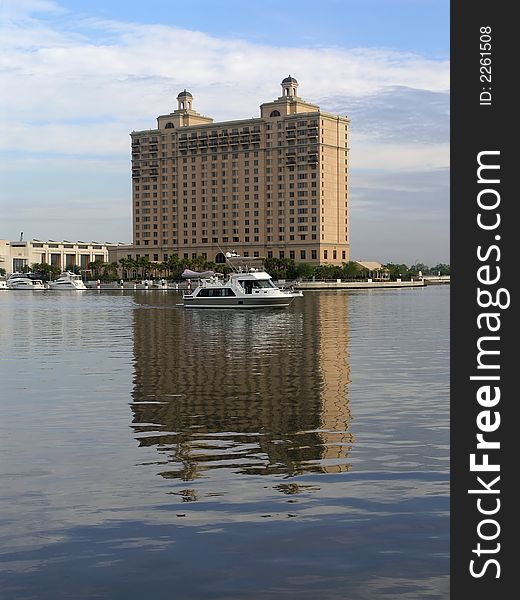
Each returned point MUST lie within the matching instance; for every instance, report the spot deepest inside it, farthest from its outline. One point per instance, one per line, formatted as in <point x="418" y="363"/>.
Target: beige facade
<point x="273" y="186"/>
<point x="14" y="256"/>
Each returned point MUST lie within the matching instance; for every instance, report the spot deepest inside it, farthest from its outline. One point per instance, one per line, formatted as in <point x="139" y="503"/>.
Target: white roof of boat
<point x="252" y="274"/>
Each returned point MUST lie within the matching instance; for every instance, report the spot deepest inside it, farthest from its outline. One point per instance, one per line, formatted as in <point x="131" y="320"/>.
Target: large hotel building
<point x="273" y="186"/>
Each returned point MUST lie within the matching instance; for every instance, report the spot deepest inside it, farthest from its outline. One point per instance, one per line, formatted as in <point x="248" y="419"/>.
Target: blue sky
<point x="409" y="25"/>
<point x="78" y="76"/>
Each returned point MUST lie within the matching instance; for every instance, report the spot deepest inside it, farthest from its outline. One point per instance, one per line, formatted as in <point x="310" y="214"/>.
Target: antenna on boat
<point x="228" y="255"/>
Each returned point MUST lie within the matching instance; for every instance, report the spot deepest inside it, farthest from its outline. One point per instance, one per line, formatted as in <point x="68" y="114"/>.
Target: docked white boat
<point x="68" y="281"/>
<point x="244" y="287"/>
<point x="24" y="281"/>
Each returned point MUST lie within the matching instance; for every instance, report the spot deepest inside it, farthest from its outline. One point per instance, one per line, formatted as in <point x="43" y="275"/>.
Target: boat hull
<point x="238" y="302"/>
<point x="65" y="286"/>
<point x="22" y="286"/>
<point x="67" y="281"/>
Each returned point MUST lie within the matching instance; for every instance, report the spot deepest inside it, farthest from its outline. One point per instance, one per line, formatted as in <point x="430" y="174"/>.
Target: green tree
<point x="440" y="269"/>
<point x="97" y="267"/>
<point x="417" y="268"/>
<point x="351" y="270"/>
<point x="280" y="268"/>
<point x="397" y="270"/>
<point x="328" y="272"/>
<point x="177" y="270"/>
<point x="162" y="267"/>
<point x="144" y="265"/>
<point x="174" y="267"/>
<point x="304" y="270"/>
<point x="153" y="268"/>
<point x="124" y="263"/>
<point x="110" y="271"/>
<point x="45" y="271"/>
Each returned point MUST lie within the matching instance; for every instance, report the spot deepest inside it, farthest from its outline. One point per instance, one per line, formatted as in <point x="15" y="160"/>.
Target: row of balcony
<point x="217" y="139"/>
<point x="205" y="136"/>
<point x="201" y="142"/>
<point x="183" y="147"/>
<point x="154" y="172"/>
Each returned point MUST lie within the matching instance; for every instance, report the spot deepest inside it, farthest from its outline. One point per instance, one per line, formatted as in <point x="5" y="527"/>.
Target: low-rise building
<point x="373" y="270"/>
<point x="17" y="256"/>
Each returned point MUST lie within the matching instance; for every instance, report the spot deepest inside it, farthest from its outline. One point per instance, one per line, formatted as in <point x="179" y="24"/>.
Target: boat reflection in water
<point x="221" y="394"/>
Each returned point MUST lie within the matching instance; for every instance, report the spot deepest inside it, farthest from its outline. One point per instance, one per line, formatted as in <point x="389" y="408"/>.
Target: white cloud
<point x="24" y="8"/>
<point x="367" y="153"/>
<point x="102" y="139"/>
<point x="133" y="72"/>
<point x="55" y="76"/>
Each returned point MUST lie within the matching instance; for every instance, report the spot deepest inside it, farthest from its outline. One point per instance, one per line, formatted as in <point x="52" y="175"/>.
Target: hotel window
<point x="325" y="254"/>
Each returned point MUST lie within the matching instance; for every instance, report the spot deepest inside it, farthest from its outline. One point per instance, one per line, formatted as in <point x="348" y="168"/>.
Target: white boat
<point x="244" y="287"/>
<point x="68" y="281"/>
<point x="24" y="281"/>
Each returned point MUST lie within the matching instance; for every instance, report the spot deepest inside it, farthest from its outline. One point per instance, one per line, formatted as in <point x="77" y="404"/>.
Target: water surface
<point x="152" y="452"/>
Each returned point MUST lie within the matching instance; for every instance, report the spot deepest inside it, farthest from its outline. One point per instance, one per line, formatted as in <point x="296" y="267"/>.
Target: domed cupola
<point x="289" y="87"/>
<point x="185" y="100"/>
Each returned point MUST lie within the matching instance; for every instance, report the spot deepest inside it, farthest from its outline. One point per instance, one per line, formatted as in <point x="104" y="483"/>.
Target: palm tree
<point x="96" y="267"/>
<point x="145" y="265"/>
<point x="174" y="266"/>
<point x="47" y="272"/>
<point x="154" y="266"/>
<point x="125" y="266"/>
<point x="110" y="271"/>
<point x="198" y="263"/>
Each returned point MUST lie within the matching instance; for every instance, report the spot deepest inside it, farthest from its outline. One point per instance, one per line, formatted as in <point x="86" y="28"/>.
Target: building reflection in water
<point x="259" y="392"/>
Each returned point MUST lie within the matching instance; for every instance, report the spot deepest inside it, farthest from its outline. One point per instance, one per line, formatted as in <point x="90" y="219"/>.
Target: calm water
<point x="151" y="452"/>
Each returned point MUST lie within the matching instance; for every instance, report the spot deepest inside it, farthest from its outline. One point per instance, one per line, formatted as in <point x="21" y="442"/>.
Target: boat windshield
<point x="257" y="283"/>
<point x="264" y="283"/>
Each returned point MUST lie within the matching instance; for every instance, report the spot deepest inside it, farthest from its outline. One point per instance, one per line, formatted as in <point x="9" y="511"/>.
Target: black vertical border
<point x="476" y="128"/>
